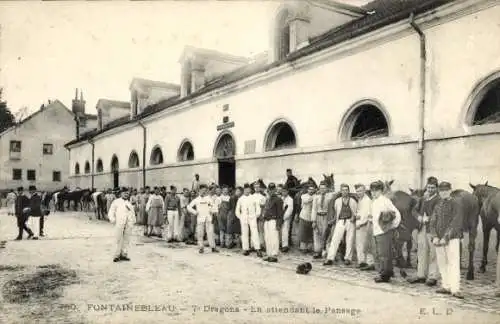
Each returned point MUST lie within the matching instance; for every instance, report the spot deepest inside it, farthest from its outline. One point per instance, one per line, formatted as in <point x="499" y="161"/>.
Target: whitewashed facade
<point x="321" y="97"/>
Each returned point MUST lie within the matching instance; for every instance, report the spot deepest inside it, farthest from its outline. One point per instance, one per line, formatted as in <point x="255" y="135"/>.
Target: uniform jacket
<point x="247" y="208"/>
<point x="322" y="209"/>
<point x="352" y="204"/>
<point x="379" y="205"/>
<point x="447" y="220"/>
<point x="306" y="206"/>
<point x="426" y="208"/>
<point x="36" y="205"/>
<point x="273" y="209"/>
<point x="121" y="212"/>
<point x="173" y="203"/>
<point x="22" y="201"/>
<point x="203" y="207"/>
<point x="287" y="207"/>
<point x="363" y="213"/>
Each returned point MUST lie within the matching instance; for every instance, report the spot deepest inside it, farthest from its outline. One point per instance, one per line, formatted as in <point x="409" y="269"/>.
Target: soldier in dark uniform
<point x="37" y="208"/>
<point x="22" y="213"/>
<point x="292" y="184"/>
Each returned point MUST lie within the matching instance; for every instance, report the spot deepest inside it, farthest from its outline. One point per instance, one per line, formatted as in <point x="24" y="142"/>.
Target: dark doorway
<point x="227" y="172"/>
<point x="116" y="182"/>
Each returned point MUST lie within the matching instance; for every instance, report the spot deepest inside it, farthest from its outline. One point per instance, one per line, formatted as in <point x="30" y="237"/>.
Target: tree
<point x="7" y="118"/>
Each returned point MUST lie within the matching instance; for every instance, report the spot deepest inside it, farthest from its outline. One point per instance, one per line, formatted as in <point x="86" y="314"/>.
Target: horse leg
<point x="486" y="243"/>
<point x="472" y="247"/>
<point x="498" y="238"/>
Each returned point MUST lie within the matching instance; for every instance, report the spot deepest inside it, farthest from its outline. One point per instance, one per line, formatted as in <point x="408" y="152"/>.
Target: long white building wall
<point x="461" y="52"/>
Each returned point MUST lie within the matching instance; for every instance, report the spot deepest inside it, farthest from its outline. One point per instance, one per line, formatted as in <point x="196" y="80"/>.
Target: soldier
<point x="305" y="223"/>
<point x="173" y="210"/>
<point x="427" y="271"/>
<point x="287" y="219"/>
<point x="36" y="208"/>
<point x="22" y="214"/>
<point x="273" y="219"/>
<point x="11" y="203"/>
<point x="121" y="214"/>
<point x="345" y="218"/>
<point x="201" y="206"/>
<point x="223" y="217"/>
<point x="260" y="199"/>
<point x="446" y="231"/>
<point x="321" y="213"/>
<point x="364" y="237"/>
<point x="247" y="211"/>
<point x="385" y="218"/>
<point x="156" y="211"/>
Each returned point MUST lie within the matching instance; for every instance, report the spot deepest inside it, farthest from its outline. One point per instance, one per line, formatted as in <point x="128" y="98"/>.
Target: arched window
<point x="115" y="166"/>
<point x="133" y="160"/>
<point x="225" y="147"/>
<point x="99" y="166"/>
<point x="186" y="152"/>
<point x="77" y="168"/>
<point x="87" y="167"/>
<point x="364" y="120"/>
<point x="485" y="108"/>
<point x="282" y="37"/>
<point x="156" y="156"/>
<point x="280" y="136"/>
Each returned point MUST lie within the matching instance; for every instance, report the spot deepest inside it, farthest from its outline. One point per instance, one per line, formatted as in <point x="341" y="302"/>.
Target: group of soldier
<point x="261" y="219"/>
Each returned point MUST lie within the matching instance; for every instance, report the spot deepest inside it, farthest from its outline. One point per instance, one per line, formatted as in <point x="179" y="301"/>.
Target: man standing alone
<point x="121" y="214"/>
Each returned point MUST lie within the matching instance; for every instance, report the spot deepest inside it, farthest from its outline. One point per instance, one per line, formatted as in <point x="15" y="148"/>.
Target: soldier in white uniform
<point x="122" y="215"/>
<point x="201" y="206"/>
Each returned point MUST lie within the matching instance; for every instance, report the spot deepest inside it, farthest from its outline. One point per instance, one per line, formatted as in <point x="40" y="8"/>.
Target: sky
<point x="47" y="49"/>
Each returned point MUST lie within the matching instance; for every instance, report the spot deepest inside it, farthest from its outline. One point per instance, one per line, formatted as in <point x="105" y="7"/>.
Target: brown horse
<point x="470" y="207"/>
<point x="489" y="207"/>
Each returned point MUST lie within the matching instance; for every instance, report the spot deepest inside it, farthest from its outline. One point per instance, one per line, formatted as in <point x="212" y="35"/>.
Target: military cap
<point x="444" y="185"/>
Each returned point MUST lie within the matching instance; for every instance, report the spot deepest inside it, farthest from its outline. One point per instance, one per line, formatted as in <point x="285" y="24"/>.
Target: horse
<point x="489" y="206"/>
<point x="469" y="206"/>
<point x="86" y="201"/>
<point x="99" y="200"/>
<point x="75" y="197"/>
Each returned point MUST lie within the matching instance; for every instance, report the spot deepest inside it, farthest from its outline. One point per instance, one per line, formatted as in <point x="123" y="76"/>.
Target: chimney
<point x="197" y="77"/>
<point x="99" y="118"/>
<point x="186" y="79"/>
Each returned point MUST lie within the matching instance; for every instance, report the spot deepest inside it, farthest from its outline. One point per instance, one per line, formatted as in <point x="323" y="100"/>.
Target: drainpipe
<point x="423" y="88"/>
<point x="91" y="142"/>
<point x="143" y="153"/>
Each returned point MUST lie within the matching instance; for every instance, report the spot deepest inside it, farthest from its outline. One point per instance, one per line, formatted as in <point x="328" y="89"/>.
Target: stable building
<point x="394" y="89"/>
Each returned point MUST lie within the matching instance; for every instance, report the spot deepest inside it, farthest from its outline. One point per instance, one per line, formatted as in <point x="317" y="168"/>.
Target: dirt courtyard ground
<point x="174" y="284"/>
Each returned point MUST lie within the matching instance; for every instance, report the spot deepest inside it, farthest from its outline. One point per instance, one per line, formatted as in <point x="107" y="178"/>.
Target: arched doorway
<point x="225" y="151"/>
<point x="115" y="167"/>
<point x="364" y="120"/>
